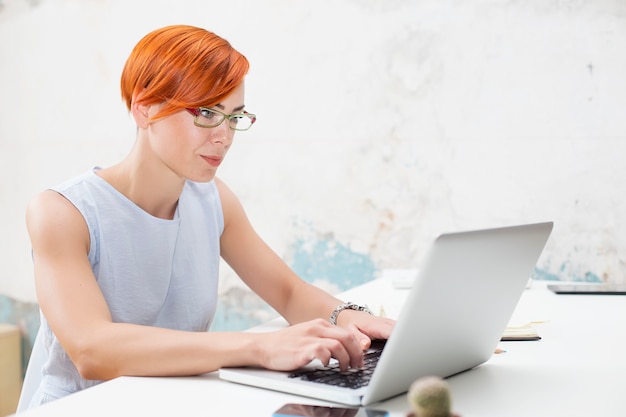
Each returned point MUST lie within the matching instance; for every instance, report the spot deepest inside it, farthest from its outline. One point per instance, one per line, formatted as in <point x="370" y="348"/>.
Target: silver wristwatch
<point x="347" y="306"/>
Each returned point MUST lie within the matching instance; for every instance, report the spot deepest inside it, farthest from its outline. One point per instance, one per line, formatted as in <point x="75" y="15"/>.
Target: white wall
<point x="381" y="123"/>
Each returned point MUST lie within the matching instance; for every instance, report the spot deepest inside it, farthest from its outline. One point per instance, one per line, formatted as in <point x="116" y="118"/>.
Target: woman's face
<point x="193" y="152"/>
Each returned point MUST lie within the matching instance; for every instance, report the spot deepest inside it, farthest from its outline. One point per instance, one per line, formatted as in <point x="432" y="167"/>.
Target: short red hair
<point x="182" y="66"/>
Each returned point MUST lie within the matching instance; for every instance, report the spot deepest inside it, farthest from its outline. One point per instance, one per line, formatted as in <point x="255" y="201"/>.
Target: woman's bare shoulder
<point x="52" y="219"/>
<point x="228" y="197"/>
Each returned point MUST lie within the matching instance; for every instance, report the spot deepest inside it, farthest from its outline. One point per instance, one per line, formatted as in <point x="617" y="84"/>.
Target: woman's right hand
<point x="297" y="345"/>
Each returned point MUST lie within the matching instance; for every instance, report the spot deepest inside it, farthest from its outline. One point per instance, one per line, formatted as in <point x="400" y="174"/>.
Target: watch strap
<point x="347" y="306"/>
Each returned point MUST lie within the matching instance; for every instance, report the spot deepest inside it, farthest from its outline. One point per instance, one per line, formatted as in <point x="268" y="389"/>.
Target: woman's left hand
<point x="366" y="327"/>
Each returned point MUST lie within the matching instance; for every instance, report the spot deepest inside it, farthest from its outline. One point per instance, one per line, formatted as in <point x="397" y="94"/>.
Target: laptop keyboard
<point x="352" y="378"/>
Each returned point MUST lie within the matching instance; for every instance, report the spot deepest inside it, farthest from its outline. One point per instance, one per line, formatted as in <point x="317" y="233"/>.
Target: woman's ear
<point x="140" y="113"/>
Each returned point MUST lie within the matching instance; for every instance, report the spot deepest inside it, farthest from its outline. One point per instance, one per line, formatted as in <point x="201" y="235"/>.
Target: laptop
<point x="455" y="313"/>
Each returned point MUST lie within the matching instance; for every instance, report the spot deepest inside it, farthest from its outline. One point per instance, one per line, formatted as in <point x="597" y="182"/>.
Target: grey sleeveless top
<point x="151" y="271"/>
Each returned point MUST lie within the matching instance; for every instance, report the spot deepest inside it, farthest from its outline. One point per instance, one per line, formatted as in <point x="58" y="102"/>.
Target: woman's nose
<point x="222" y="134"/>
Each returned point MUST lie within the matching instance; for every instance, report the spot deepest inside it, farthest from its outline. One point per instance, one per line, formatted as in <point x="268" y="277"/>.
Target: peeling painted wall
<point x="381" y="125"/>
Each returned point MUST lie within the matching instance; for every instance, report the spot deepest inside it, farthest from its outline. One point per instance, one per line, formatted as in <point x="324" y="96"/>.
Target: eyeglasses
<point x="205" y="117"/>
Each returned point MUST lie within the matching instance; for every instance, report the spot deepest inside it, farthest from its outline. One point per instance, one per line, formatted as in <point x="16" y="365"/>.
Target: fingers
<point x="346" y="344"/>
<point x="340" y="344"/>
<point x="372" y="328"/>
<point x="328" y="348"/>
<point x="299" y="344"/>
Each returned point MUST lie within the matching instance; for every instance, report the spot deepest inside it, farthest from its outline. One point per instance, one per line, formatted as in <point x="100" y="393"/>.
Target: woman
<point x="126" y="257"/>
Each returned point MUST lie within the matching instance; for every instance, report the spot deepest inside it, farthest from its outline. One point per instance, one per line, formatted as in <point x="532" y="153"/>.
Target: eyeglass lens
<point x="211" y="118"/>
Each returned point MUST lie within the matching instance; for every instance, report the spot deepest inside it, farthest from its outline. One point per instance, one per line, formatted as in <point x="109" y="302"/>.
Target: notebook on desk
<point x="462" y="299"/>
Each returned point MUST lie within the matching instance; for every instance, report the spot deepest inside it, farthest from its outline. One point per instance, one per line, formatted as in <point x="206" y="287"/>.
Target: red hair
<point x="182" y="66"/>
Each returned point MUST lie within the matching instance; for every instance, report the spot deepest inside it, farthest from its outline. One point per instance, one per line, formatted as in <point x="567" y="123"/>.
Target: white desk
<point x="577" y="369"/>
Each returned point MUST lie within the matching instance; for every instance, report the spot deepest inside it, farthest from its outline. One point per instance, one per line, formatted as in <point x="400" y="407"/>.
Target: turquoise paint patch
<point x="545" y="275"/>
<point x="329" y="260"/>
<point x="26" y="317"/>
<point x="316" y="260"/>
<point x="226" y="319"/>
<point x="591" y="277"/>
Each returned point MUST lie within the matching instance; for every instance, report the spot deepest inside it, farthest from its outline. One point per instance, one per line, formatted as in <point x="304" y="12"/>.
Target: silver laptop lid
<point x="467" y="288"/>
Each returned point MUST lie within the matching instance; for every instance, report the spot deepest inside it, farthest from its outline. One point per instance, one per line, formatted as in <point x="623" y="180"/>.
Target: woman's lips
<point x="214" y="161"/>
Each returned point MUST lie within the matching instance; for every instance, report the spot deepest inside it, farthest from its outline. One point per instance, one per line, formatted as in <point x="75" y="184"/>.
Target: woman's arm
<point x="79" y="317"/>
<point x="268" y="276"/>
<point x="264" y="271"/>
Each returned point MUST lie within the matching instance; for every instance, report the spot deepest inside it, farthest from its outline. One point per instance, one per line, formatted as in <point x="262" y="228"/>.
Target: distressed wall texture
<point x="381" y="125"/>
